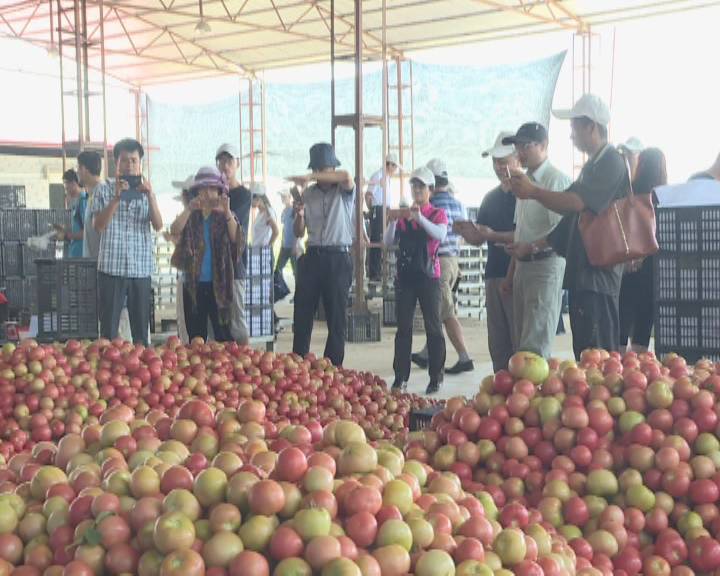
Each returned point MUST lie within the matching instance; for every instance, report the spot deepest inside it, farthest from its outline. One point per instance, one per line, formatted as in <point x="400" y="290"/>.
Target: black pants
<point x="115" y="291"/>
<point x="204" y="308"/>
<point x="285" y="255"/>
<point x="637" y="305"/>
<point x="325" y="275"/>
<point x="594" y="321"/>
<point x="407" y="294"/>
<point x="376" y="235"/>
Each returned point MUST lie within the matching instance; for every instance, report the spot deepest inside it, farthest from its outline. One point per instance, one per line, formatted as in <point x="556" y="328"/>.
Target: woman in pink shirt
<point x="417" y="232"/>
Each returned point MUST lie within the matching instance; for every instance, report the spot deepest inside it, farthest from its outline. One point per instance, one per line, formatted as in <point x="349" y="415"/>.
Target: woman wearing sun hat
<point x="206" y="253"/>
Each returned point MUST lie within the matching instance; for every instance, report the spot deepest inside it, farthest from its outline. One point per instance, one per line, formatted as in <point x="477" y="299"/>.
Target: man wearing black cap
<point x="325" y="270"/>
<point x="538" y="275"/>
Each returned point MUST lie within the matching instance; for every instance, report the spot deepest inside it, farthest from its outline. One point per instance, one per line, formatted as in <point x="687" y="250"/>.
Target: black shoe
<point x="460" y="367"/>
<point x="433" y="387"/>
<point x="399" y="385"/>
<point x="419" y="360"/>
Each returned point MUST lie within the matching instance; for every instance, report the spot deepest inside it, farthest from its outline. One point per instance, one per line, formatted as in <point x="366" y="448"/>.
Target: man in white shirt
<point x="379" y="188"/>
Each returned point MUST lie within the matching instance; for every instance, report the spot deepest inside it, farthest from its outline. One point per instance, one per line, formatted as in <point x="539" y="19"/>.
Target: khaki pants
<point x="537" y="301"/>
<point x="449" y="272"/>
<point x="499" y="306"/>
<point x="238" y="320"/>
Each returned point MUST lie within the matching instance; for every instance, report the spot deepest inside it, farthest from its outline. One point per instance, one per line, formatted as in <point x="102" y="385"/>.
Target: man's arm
<point x="101" y="219"/>
<point x="563" y="203"/>
<point x="299" y="222"/>
<point x="155" y="216"/>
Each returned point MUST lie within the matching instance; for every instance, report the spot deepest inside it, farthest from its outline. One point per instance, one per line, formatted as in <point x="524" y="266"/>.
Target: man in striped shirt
<point x="449" y="269"/>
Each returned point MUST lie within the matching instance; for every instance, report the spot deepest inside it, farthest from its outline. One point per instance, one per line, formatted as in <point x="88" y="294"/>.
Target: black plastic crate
<point x="260" y="321"/>
<point x="687" y="277"/>
<point x="258" y="291"/>
<point x="422" y="418"/>
<point x="687" y="325"/>
<point x="67" y="300"/>
<point x="11" y="197"/>
<point x="389" y="311"/>
<point x="20" y="293"/>
<point x="362" y="327"/>
<point x="12" y="259"/>
<point x="46" y="219"/>
<point x="259" y="261"/>
<point x="18" y="224"/>
<point x="29" y="256"/>
<point x="689" y="229"/>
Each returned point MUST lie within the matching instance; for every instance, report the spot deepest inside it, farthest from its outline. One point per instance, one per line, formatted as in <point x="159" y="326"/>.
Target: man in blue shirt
<point x="76" y="202"/>
<point x="449" y="269"/>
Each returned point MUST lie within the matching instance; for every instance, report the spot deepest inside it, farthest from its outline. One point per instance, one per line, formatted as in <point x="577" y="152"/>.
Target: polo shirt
<point x="603" y="179"/>
<point x="455" y="211"/>
<point x="532" y="220"/>
<point x="79" y="206"/>
<point x="329" y="215"/>
<point x="91" y="237"/>
<point x="497" y="211"/>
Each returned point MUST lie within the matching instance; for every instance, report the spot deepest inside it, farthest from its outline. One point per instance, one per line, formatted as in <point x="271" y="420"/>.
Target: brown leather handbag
<point x="625" y="231"/>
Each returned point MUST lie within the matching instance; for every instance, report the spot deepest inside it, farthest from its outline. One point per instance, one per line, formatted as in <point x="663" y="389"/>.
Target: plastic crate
<point x="689" y="230"/>
<point x="47" y="218"/>
<point x="67" y="299"/>
<point x="687" y="326"/>
<point x="421" y="419"/>
<point x="472" y="213"/>
<point x="20" y="293"/>
<point x="12" y="259"/>
<point x="261" y="321"/>
<point x="362" y="327"/>
<point x="687" y="277"/>
<point x="29" y="256"/>
<point x="259" y="261"/>
<point x="12" y="197"/>
<point x="18" y="224"/>
<point x="258" y="291"/>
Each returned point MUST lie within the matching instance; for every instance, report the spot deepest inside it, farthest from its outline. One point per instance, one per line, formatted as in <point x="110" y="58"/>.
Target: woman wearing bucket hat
<point x="418" y="232"/>
<point x="206" y="253"/>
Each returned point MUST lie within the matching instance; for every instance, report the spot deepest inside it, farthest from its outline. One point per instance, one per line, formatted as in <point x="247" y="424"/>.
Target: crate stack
<point x="164" y="282"/>
<point x="12" y="196"/>
<point x="470" y="294"/>
<point x="18" y="271"/>
<point x="687" y="281"/>
<point x="259" y="298"/>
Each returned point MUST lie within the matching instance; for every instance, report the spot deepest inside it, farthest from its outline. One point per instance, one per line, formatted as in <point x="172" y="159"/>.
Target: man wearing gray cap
<point x="325" y="270"/>
<point x="378" y="196"/>
<point x="593" y="292"/>
<point x="227" y="161"/>
<point x="497" y="216"/>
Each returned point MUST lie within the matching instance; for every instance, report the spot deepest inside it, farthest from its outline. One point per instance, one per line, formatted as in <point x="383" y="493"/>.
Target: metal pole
<point x="79" y="78"/>
<point x="240" y="128"/>
<point x="359" y="304"/>
<point x="263" y="131"/>
<point x="385" y="129"/>
<point x="62" y="86"/>
<point x="401" y="129"/>
<point x="332" y="72"/>
<point x="86" y="70"/>
<point x="147" y="135"/>
<point x="412" y="115"/>
<point x="251" y="124"/>
<point x="104" y="87"/>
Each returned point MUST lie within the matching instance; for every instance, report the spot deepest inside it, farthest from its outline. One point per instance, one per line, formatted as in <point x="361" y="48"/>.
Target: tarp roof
<point x="153" y="41"/>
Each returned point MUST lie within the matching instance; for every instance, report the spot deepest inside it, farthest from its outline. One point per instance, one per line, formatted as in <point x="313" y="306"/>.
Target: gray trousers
<point x="499" y="323"/>
<point x="114" y="291"/>
<point x="537" y="301"/>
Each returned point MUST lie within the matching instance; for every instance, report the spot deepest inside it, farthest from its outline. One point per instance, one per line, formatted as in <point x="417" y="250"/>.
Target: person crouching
<point x="418" y="231"/>
<point x="207" y="253"/>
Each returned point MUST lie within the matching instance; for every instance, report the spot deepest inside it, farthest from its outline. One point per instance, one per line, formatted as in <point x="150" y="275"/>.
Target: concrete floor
<point x="377" y="357"/>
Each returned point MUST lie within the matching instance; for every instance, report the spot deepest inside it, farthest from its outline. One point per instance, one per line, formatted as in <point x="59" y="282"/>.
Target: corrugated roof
<point x="151" y="41"/>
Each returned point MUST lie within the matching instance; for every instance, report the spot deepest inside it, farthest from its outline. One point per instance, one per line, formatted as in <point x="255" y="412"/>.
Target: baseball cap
<point x="424" y="175"/>
<point x="590" y="106"/>
<point x="184" y="184"/>
<point x="500" y="150"/>
<point x="528" y="132"/>
<point x="633" y="145"/>
<point x="229" y="149"/>
<point x="391" y="158"/>
<point x="438" y="168"/>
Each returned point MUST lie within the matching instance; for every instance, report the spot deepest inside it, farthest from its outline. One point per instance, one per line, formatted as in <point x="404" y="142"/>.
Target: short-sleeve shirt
<point x="532" y="220"/>
<point x="436" y="216"/>
<point x="498" y="212"/>
<point x="240" y="203"/>
<point x="603" y="179"/>
<point x="79" y="206"/>
<point x="329" y="215"/>
<point x="126" y="245"/>
<point x="206" y="274"/>
<point x="378" y="187"/>
<point x="91" y="237"/>
<point x="262" y="232"/>
<point x="455" y="211"/>
<point x="288" y="218"/>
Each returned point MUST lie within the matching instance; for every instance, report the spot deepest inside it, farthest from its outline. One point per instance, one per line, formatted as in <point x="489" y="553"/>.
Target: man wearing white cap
<point x="497" y="215"/>
<point x="631" y="149"/>
<point x="379" y="188"/>
<point x="593" y="291"/>
<point x="227" y="161"/>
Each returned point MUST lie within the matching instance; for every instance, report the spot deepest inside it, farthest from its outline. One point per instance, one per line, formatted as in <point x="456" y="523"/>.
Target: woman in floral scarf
<point x="207" y="252"/>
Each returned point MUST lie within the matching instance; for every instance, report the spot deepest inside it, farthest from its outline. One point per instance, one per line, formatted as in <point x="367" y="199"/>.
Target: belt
<point x="448" y="255"/>
<point x="542" y="255"/>
<point x="328" y="249"/>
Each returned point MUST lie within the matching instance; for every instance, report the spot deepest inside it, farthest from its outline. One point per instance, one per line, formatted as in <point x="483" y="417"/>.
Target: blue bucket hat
<point x="322" y="155"/>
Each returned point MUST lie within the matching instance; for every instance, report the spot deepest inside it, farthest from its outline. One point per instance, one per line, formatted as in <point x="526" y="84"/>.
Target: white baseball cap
<point x="258" y="189"/>
<point x="392" y="158"/>
<point x="227" y="148"/>
<point x="438" y="168"/>
<point x="500" y="150"/>
<point x="424" y="175"/>
<point x="184" y="184"/>
<point x="589" y="106"/>
<point x="633" y="145"/>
